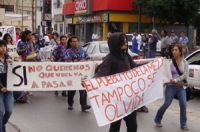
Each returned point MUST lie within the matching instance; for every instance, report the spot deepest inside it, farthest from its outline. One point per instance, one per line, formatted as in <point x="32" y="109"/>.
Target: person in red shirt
<point x="17" y="33"/>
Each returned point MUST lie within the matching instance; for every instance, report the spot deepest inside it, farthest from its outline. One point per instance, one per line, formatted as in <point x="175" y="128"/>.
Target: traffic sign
<point x="47" y="17"/>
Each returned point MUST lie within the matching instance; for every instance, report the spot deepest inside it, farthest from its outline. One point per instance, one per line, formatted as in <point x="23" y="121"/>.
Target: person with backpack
<point x="117" y="61"/>
<point x="176" y="87"/>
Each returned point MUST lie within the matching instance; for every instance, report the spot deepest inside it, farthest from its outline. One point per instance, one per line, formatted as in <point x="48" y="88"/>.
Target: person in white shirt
<point x="46" y="40"/>
<point x="95" y="36"/>
<point x="139" y="39"/>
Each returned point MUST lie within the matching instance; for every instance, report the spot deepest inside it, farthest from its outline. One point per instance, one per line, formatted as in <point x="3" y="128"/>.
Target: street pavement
<point x="47" y="113"/>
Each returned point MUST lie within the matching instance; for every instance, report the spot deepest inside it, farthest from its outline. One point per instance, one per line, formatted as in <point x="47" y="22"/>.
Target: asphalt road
<point x="48" y="113"/>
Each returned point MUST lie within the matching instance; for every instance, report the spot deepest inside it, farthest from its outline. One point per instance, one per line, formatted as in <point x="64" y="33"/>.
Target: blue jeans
<point x="185" y="54"/>
<point x="6" y="107"/>
<point x="17" y="95"/>
<point x="152" y="53"/>
<point x="170" y="92"/>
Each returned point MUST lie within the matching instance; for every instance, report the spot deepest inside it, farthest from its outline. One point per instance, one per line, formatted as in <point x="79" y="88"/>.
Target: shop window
<point x="115" y="27"/>
<point x="99" y="29"/>
<point x="55" y="27"/>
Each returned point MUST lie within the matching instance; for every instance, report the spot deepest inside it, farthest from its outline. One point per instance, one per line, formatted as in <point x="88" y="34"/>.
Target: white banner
<point x="116" y="96"/>
<point x="47" y="76"/>
<point x="12" y="51"/>
<point x="10" y="30"/>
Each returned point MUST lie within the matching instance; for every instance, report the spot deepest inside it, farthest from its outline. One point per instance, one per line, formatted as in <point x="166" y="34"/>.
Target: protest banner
<point x="12" y="51"/>
<point x="10" y="30"/>
<point x="47" y="76"/>
<point x="116" y="96"/>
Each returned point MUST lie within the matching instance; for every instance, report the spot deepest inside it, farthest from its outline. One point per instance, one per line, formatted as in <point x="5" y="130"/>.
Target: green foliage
<point x="170" y="11"/>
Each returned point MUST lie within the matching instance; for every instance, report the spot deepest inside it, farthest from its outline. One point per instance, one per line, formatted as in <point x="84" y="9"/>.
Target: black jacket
<point x="114" y="62"/>
<point x="3" y="72"/>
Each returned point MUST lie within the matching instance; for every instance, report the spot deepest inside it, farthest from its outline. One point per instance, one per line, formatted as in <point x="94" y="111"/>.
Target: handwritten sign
<point x="116" y="96"/>
<point x="12" y="51"/>
<point x="10" y="30"/>
<point x="47" y="76"/>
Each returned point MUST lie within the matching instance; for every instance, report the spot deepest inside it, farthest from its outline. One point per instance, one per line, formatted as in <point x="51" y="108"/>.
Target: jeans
<point x="131" y="123"/>
<point x="6" y="107"/>
<point x="170" y="92"/>
<point x="170" y="51"/>
<point x="164" y="53"/>
<point x="152" y="53"/>
<point x="83" y="97"/>
<point x="185" y="54"/>
<point x="144" y="52"/>
<point x="18" y="95"/>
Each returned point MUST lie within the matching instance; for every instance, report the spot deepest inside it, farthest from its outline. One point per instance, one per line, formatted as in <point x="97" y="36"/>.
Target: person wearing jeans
<point x="176" y="87"/>
<point x="152" y="45"/>
<point x="6" y="97"/>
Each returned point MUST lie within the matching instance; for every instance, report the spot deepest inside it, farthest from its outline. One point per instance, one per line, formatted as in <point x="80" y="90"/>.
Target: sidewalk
<point x="11" y="128"/>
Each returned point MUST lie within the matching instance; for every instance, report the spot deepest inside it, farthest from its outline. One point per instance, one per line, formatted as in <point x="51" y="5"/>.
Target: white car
<point x="194" y="69"/>
<point x="97" y="50"/>
<point x="130" y="36"/>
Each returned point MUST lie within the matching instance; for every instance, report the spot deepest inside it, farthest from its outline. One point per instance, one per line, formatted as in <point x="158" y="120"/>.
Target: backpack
<point x="113" y="65"/>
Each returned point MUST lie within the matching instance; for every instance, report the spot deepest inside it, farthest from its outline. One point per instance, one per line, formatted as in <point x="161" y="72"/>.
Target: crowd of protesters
<point x="66" y="49"/>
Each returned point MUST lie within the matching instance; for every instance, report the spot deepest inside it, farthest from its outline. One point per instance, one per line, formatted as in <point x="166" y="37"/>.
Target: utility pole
<point x="33" y="12"/>
<point x="22" y="13"/>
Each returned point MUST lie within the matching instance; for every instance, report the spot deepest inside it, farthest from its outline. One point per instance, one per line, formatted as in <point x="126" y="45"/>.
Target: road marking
<point x="176" y="110"/>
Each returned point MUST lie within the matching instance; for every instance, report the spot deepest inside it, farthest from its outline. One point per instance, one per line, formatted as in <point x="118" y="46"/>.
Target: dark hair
<point x="55" y="33"/>
<point x="37" y="37"/>
<point x="17" y="29"/>
<point x="165" y="32"/>
<point x="24" y="34"/>
<point x="0" y="34"/>
<point x="2" y="42"/>
<point x="70" y="40"/>
<point x="6" y="36"/>
<point x="183" y="32"/>
<point x="180" y="47"/>
<point x="63" y="36"/>
<point x="121" y="40"/>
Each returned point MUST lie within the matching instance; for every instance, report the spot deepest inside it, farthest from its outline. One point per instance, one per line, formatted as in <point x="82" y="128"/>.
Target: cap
<point x="172" y="31"/>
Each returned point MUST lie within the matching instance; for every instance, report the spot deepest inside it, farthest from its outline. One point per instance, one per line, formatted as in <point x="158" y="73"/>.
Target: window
<point x="61" y="29"/>
<point x="194" y="59"/>
<point x="91" y="48"/>
<point x="55" y="27"/>
<point x="104" y="48"/>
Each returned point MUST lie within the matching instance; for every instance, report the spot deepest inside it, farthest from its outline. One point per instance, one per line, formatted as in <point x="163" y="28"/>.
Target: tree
<point x="170" y="11"/>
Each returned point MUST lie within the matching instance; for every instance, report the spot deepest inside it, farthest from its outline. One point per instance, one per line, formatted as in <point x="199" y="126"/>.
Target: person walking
<point x="6" y="97"/>
<point x="183" y="40"/>
<point x="58" y="55"/>
<point x="75" y="53"/>
<point x="165" y="41"/>
<point x="118" y="56"/>
<point x="55" y="41"/>
<point x="39" y="42"/>
<point x="152" y="44"/>
<point x="173" y="41"/>
<point x="176" y="87"/>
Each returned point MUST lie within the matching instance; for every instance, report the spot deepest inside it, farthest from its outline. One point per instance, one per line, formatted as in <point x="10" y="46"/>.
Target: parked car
<point x="130" y="36"/>
<point x="194" y="69"/>
<point x="97" y="50"/>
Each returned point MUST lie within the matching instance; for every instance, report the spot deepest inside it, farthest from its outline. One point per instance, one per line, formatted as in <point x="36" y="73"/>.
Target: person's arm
<point x="86" y="56"/>
<point x="21" y="48"/>
<point x="152" y="39"/>
<point x="184" y="75"/>
<point x="68" y="57"/>
<point x="54" y="54"/>
<point x="168" y="43"/>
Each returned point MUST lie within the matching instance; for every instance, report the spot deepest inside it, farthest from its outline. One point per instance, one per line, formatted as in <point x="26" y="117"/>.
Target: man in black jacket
<point x="117" y="61"/>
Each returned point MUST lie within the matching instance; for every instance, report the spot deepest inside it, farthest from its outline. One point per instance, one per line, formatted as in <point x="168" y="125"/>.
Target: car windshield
<point x="104" y="48"/>
<point x="194" y="59"/>
<point x="90" y="48"/>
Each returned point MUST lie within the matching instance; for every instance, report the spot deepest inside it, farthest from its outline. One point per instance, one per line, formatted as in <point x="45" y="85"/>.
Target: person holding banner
<point x="117" y="61"/>
<point x="6" y="97"/>
<point x="176" y="87"/>
<point x="58" y="55"/>
<point x="75" y="53"/>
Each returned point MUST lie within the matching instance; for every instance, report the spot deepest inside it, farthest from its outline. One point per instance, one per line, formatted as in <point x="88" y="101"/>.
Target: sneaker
<point x="185" y="128"/>
<point x="70" y="107"/>
<point x="64" y="94"/>
<point x="29" y="93"/>
<point x="56" y="93"/>
<point x="158" y="124"/>
<point x="4" y="128"/>
<point x="85" y="107"/>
